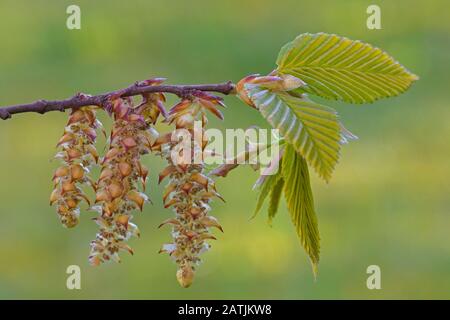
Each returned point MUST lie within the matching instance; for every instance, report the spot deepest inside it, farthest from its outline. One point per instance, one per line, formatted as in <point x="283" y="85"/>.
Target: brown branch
<point x="80" y="100"/>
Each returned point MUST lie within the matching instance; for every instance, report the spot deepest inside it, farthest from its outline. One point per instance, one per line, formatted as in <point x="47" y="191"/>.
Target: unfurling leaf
<point x="275" y="196"/>
<point x="300" y="203"/>
<point x="313" y="130"/>
<point x="338" y="68"/>
<point x="266" y="188"/>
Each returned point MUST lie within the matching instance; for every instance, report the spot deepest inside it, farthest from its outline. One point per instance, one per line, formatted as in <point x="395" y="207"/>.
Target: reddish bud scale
<point x="118" y="193"/>
<point x="187" y="192"/>
<point x="271" y="82"/>
<point x="77" y="154"/>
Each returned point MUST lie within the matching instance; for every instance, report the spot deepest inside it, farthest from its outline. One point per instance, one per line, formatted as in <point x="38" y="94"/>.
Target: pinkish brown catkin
<point x="77" y="155"/>
<point x="118" y="193"/>
<point x="189" y="190"/>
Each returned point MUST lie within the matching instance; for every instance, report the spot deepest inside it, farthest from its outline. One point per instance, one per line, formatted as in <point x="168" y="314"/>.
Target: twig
<point x="80" y="100"/>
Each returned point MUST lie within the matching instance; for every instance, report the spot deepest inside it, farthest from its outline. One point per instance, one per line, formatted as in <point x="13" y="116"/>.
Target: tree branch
<point x="138" y="88"/>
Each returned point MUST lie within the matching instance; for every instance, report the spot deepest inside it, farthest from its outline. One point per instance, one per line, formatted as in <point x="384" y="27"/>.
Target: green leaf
<point x="314" y="130"/>
<point x="338" y="68"/>
<point x="300" y="203"/>
<point x="275" y="196"/>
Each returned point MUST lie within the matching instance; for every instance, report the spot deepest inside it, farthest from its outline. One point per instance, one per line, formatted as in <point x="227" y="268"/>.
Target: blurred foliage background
<point x="387" y="204"/>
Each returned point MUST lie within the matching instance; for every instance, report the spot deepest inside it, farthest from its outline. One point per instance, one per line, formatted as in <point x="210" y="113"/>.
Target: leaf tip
<point x="414" y="77"/>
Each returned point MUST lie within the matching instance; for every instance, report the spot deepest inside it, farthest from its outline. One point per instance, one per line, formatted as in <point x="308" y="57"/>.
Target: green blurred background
<point x="388" y="203"/>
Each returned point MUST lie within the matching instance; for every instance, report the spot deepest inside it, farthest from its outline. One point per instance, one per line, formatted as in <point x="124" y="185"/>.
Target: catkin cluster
<point x="77" y="155"/>
<point x="189" y="190"/>
<point x="119" y="190"/>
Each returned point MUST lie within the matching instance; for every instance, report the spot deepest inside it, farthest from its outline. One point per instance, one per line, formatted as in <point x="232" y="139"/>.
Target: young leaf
<point x="300" y="203"/>
<point x="338" y="68"/>
<point x="265" y="189"/>
<point x="314" y="130"/>
<point x="274" y="201"/>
